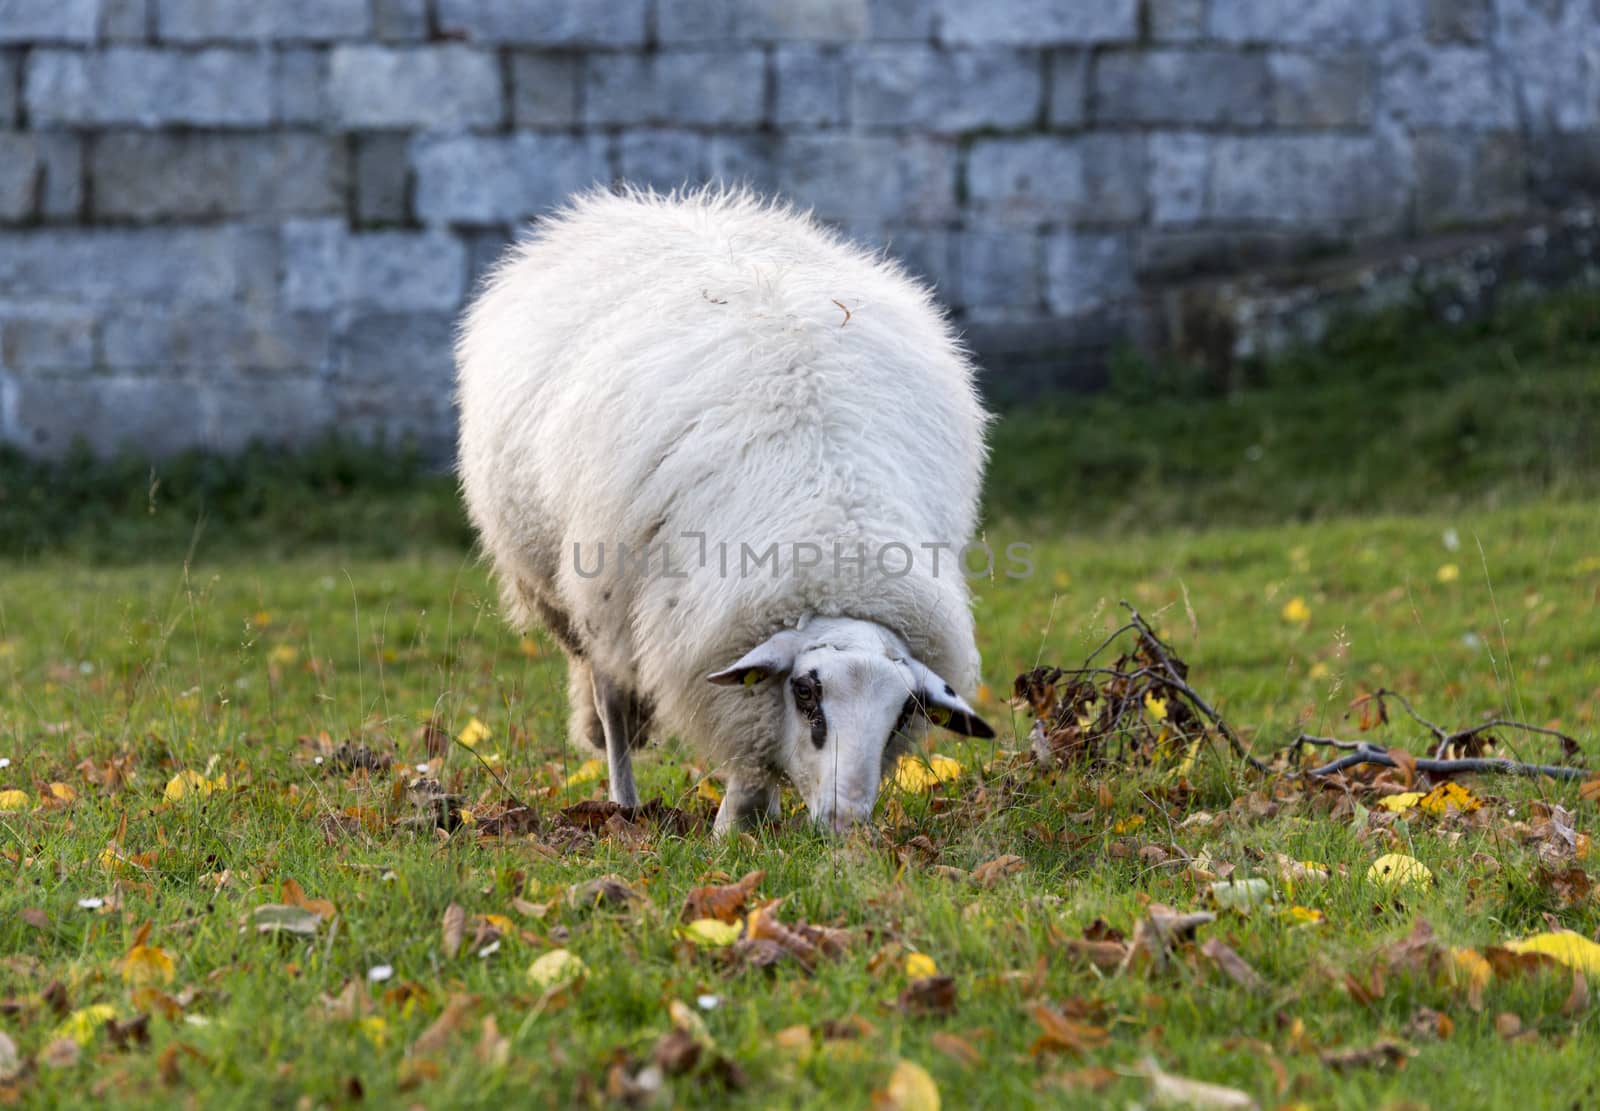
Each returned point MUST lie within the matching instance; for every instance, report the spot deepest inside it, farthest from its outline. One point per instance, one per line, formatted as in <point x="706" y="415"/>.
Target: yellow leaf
<point x="1572" y="950"/>
<point x="711" y="933"/>
<point x="529" y="647"/>
<point x="1156" y="706"/>
<point x="82" y="1024"/>
<point x="13" y="800"/>
<point x="1400" y="803"/>
<point x="147" y="964"/>
<point x="1439" y="800"/>
<point x="1398" y="870"/>
<point x="1319" y="670"/>
<point x="919" y="965"/>
<point x="190" y="780"/>
<point x="61" y="792"/>
<point x="910" y="1088"/>
<point x="913" y="773"/>
<point x="1128" y="824"/>
<point x="709" y="791"/>
<point x="1296" y="612"/>
<point x="587" y="772"/>
<point x="1308" y="916"/>
<point x="261" y="619"/>
<point x="474" y="732"/>
<point x="1449" y="573"/>
<point x="283" y="655"/>
<point x="555" y="968"/>
<point x="1471" y="967"/>
<point x="376" y="1029"/>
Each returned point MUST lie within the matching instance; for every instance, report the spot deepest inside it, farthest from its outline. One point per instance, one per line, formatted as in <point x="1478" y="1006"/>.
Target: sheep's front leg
<point x="746" y="803"/>
<point x="612" y="706"/>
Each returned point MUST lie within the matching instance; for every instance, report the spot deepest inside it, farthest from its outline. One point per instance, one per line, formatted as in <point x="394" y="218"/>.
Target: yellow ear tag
<point x="938" y="715"/>
<point x="752" y="677"/>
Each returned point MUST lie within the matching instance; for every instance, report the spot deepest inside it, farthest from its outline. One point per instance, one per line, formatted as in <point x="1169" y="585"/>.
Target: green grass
<point x="252" y="663"/>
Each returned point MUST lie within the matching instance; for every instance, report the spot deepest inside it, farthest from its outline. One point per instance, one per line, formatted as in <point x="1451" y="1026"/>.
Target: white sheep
<point x="688" y="381"/>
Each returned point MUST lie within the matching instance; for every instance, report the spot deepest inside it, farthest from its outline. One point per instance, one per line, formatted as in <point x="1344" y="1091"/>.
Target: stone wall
<point x="229" y="219"/>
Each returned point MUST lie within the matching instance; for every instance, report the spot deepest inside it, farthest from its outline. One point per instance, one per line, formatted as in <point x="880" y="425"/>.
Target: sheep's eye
<point x="807" y="693"/>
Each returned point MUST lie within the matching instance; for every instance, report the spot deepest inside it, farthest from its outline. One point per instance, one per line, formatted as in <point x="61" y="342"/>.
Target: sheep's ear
<point x="941" y="705"/>
<point x="774" y="656"/>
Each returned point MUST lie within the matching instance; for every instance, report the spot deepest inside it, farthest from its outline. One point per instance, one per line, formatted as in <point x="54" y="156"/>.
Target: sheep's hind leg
<point x="611" y="703"/>
<point x="745" y="804"/>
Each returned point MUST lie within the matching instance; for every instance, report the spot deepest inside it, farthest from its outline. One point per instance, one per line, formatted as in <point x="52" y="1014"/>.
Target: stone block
<point x="915" y="86"/>
<point x="1038" y="22"/>
<point x="400" y="20"/>
<point x="694" y="87"/>
<point x="1548" y="50"/>
<point x="835" y="21"/>
<point x="1180" y="167"/>
<point x="1045" y="179"/>
<point x="41" y="176"/>
<point x="1182" y="87"/>
<point x="1176" y="20"/>
<point x="1069" y="88"/>
<point x="57" y="339"/>
<point x="383" y="179"/>
<point x="1086" y="271"/>
<point x="300" y="86"/>
<point x="503" y="179"/>
<point x="485" y="248"/>
<point x="1469" y="177"/>
<point x="199" y="21"/>
<point x="404" y="350"/>
<point x="165" y="338"/>
<point x="421" y="419"/>
<point x="138" y="86"/>
<point x="997" y="273"/>
<point x="326" y="267"/>
<point x="1308" y="179"/>
<point x="127" y="20"/>
<point x="196" y="266"/>
<point x="49" y="21"/>
<point x="749" y="159"/>
<point x="812" y="83"/>
<point x="437" y="87"/>
<point x="894" y="20"/>
<point x="111" y="414"/>
<point x="10" y="67"/>
<point x="662" y="159"/>
<point x="1321" y="90"/>
<point x="544" y="89"/>
<point x="159" y="176"/>
<point x="846" y="177"/>
<point x="282" y="410"/>
<point x="1314" y="22"/>
<point x="545" y="23"/>
<point x="1458" y="21"/>
<point x="1447" y="86"/>
<point x="927" y="254"/>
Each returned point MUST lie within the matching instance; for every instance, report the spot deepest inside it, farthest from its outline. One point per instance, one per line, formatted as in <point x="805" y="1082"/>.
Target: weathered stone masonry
<point x="229" y="219"/>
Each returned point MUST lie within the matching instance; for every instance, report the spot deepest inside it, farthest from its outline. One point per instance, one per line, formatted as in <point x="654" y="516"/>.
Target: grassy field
<point x="194" y="741"/>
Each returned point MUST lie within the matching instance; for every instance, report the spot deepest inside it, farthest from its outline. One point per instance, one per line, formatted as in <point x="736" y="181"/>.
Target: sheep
<point x="692" y="384"/>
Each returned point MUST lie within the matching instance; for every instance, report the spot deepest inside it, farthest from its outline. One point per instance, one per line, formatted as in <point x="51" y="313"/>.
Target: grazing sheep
<point x="701" y="439"/>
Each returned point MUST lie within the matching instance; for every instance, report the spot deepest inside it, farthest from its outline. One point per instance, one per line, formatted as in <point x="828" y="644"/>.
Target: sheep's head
<point x="850" y="698"/>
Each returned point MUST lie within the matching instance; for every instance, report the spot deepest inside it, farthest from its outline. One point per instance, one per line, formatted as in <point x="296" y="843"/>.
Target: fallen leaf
<point x="556" y="968"/>
<point x="494" y="1048"/>
<point x="915" y="773"/>
<point x="1384" y="1053"/>
<point x="438" y="1033"/>
<point x="589" y="771"/>
<point x="10" y="1060"/>
<point x="1398" y="870"/>
<point x="1063" y="1033"/>
<point x="608" y="890"/>
<point x="1577" y="1000"/>
<point x="991" y="872"/>
<point x="929" y="995"/>
<point x="190" y="782"/>
<point x="1167" y="1090"/>
<point x="1507" y="1024"/>
<point x="147" y="964"/>
<point x="453" y="928"/>
<point x="272" y="918"/>
<point x="82" y="1025"/>
<point x="1233" y="965"/>
<point x="709" y="933"/>
<point x="1241" y="895"/>
<point x="724" y="902"/>
<point x="956" y="1047"/>
<point x="1573" y="950"/>
<point x="62" y="1053"/>
<point x="910" y="1088"/>
<point x="13" y="801"/>
<point x="920" y="965"/>
<point x="473" y="734"/>
<point x="1400" y="803"/>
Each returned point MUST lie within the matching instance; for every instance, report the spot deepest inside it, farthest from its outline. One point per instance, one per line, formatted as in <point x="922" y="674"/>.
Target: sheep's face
<point x="850" y="698"/>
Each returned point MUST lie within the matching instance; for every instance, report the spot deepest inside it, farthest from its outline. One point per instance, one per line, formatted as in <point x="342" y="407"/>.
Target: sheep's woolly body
<point x="646" y="367"/>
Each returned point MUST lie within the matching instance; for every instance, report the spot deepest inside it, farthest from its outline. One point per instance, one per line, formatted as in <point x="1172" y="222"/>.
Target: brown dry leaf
<point x="929" y="995"/>
<point x="608" y="890"/>
<point x="724" y="902"/>
<point x="1160" y="931"/>
<point x="34" y="917"/>
<point x="1107" y="956"/>
<point x="1233" y="965"/>
<point x="1578" y="998"/>
<point x="1062" y="1033"/>
<point x="957" y="1048"/>
<point x="1093" y="1077"/>
<point x="453" y="928"/>
<point x="10" y="1059"/>
<point x="439" y="1031"/>
<point x="1428" y="1023"/>
<point x="1508" y="962"/>
<point x="802" y="940"/>
<point x="1386" y="1053"/>
<point x="351" y="1003"/>
<point x="1589" y="791"/>
<point x="1570" y="886"/>
<point x="1507" y="1024"/>
<point x="1178" y="1091"/>
<point x="794" y="1039"/>
<point x="292" y="894"/>
<point x="991" y="872"/>
<point x="63" y="1053"/>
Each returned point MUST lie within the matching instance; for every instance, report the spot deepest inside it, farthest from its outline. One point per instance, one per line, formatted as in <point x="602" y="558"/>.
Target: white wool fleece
<point x="643" y="367"/>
